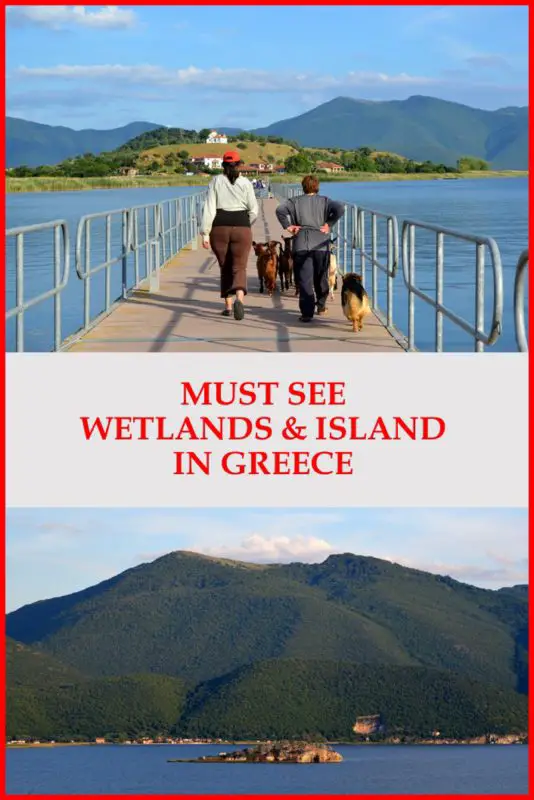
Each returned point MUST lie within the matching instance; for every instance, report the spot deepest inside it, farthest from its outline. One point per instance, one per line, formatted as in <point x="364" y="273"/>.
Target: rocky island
<point x="281" y="753"/>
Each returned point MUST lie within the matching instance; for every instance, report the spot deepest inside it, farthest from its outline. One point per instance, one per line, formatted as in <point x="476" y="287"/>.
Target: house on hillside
<point x="129" y="172"/>
<point x="211" y="161"/>
<point x="329" y="166"/>
<point x="248" y="170"/>
<point x="217" y="138"/>
<point x="263" y="166"/>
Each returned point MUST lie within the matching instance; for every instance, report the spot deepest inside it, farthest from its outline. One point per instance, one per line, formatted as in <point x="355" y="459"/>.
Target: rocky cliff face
<point x="318" y="755"/>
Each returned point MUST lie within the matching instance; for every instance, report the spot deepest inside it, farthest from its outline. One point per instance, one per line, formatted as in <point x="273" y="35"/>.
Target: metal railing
<point x="125" y="236"/>
<point x="61" y="255"/>
<point x="155" y="233"/>
<point x="408" y="269"/>
<point x="519" y="302"/>
<point x="173" y="223"/>
<point x="351" y="230"/>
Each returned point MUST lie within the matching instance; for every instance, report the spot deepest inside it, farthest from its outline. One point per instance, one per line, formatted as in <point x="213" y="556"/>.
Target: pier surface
<point x="185" y="314"/>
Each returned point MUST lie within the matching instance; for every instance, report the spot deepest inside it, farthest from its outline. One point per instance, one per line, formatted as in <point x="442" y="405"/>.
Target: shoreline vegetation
<point x="68" y="184"/>
<point x="507" y="739"/>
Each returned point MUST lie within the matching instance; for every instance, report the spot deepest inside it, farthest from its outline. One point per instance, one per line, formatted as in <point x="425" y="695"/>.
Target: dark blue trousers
<point x="310" y="268"/>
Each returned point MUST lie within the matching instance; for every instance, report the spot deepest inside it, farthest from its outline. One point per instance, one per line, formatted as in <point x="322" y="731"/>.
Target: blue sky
<point x="105" y="66"/>
<point x="58" y="551"/>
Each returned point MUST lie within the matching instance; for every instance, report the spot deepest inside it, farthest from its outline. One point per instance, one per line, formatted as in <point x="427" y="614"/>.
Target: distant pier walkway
<point x="185" y="314"/>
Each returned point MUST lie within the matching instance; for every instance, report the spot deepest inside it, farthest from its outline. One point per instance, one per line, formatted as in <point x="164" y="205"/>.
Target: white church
<point x="217" y="138"/>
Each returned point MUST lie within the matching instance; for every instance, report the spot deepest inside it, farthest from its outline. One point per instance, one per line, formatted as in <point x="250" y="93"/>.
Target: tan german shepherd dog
<point x="354" y="300"/>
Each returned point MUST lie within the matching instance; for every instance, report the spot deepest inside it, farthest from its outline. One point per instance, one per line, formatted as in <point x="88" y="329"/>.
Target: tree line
<point x="361" y="159"/>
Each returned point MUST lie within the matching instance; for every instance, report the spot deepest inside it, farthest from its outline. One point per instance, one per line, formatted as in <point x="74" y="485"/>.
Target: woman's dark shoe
<point x="226" y="312"/>
<point x="239" y="310"/>
<point x="305" y="319"/>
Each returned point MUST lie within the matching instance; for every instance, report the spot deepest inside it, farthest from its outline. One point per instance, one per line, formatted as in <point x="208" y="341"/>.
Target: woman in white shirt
<point x="229" y="211"/>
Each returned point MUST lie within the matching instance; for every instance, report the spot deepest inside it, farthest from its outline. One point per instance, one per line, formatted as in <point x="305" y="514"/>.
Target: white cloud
<point x="234" y="80"/>
<point x="274" y="549"/>
<point x="61" y="17"/>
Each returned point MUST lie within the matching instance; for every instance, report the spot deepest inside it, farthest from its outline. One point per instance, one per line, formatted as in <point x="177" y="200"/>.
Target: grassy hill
<point x="420" y="128"/>
<point x="252" y="152"/>
<point x="197" y="618"/>
<point x="288" y="699"/>
<point x="27" y="666"/>
<point x="33" y="144"/>
<point x="270" y="699"/>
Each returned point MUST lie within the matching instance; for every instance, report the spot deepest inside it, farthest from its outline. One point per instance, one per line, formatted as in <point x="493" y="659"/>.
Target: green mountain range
<point x="420" y="128"/>
<point x="222" y="639"/>
<point x="33" y="144"/>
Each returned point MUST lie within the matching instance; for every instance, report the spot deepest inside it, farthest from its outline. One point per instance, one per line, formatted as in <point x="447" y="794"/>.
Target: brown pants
<point x="231" y="246"/>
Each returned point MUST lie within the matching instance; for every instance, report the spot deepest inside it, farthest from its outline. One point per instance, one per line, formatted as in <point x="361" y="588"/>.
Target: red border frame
<point x="3" y="403"/>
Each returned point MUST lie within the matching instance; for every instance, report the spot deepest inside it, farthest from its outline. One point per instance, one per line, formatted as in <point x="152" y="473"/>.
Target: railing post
<point x="374" y="270"/>
<point x="389" y="276"/>
<point x="136" y="245"/>
<point x="194" y="240"/>
<point x="108" y="258"/>
<point x="355" y="237"/>
<point x="57" y="295"/>
<point x="153" y="281"/>
<point x="519" y="303"/>
<point x="162" y="231"/>
<point x="20" y="292"/>
<point x="179" y="225"/>
<point x="125" y="215"/>
<point x="361" y="240"/>
<point x="87" y="281"/>
<point x="439" y="290"/>
<point x="411" y="296"/>
<point x="479" y="303"/>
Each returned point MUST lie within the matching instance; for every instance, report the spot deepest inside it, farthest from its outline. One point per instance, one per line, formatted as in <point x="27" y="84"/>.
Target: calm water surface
<point x="492" y="207"/>
<point x="365" y="770"/>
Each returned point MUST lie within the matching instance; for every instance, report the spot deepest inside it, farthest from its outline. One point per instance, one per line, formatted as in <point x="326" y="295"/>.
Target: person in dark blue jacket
<point x="309" y="218"/>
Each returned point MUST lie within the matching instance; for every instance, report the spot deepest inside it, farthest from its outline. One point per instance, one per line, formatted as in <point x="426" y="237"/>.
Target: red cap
<point x="231" y="157"/>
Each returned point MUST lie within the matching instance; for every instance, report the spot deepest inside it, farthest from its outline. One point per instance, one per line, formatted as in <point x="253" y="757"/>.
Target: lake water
<point x="143" y="769"/>
<point x="492" y="207"/>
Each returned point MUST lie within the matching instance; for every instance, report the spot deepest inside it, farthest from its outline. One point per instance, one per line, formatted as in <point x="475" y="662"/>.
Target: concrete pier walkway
<point x="185" y="314"/>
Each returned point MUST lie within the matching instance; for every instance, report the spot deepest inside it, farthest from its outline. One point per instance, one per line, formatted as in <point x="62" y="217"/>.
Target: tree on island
<point x="299" y="163"/>
<point x="468" y="163"/>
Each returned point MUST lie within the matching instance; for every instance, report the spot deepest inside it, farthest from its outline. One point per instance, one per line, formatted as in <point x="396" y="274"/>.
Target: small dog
<point x="332" y="272"/>
<point x="354" y="300"/>
<point x="267" y="265"/>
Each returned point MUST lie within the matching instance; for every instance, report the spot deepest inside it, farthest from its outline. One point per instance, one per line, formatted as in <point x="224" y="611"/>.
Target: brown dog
<point x="266" y="264"/>
<point x="285" y="263"/>
<point x="354" y="300"/>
